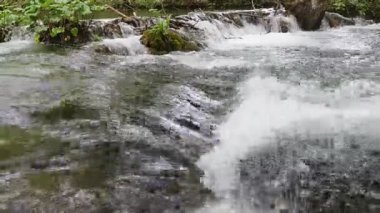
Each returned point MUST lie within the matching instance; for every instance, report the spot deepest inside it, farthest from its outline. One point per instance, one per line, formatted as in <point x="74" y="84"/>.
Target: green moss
<point x="16" y="142"/>
<point x="162" y="43"/>
<point x="100" y="166"/>
<point x="45" y="181"/>
<point x="88" y="178"/>
<point x="66" y="110"/>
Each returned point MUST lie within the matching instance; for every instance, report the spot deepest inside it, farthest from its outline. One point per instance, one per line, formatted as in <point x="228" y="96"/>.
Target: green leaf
<point x="37" y="38"/>
<point x="56" y="30"/>
<point x="74" y="31"/>
<point x="40" y="29"/>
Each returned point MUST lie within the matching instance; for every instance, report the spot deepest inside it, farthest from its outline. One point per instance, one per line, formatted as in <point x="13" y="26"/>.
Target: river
<point x="255" y="122"/>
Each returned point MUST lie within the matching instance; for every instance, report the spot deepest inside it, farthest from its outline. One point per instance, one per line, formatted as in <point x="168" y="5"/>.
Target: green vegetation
<point x="53" y="21"/>
<point x="9" y="16"/>
<point x="59" y="21"/>
<point x="192" y="4"/>
<point x="365" y="8"/>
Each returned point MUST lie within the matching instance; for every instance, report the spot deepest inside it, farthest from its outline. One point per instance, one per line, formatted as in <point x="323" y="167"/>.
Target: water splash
<point x="270" y="106"/>
<point x="125" y="46"/>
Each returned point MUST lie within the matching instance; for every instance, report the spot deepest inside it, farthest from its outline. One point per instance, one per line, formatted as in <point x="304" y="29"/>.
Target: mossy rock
<point x="162" y="43"/>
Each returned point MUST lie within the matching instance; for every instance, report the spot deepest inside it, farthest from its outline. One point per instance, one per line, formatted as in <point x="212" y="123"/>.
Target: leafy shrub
<point x="58" y="21"/>
<point x="161" y="28"/>
<point x="364" y="8"/>
<point x="11" y="15"/>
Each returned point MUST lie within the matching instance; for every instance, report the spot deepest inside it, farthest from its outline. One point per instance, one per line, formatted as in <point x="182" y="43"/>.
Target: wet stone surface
<point x="313" y="175"/>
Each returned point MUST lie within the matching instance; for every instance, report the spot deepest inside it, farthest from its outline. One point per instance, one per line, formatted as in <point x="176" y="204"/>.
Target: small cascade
<point x="126" y="30"/>
<point x="125" y="41"/>
<point x="21" y="33"/>
<point x="125" y="46"/>
<point x="121" y="36"/>
<point x="217" y="26"/>
<point x="207" y="28"/>
<point x="281" y="23"/>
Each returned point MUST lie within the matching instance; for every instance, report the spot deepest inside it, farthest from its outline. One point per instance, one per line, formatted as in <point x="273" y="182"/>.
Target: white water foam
<point x="269" y="106"/>
<point x="126" y="46"/>
<point x="14" y="46"/>
<point x="206" y="60"/>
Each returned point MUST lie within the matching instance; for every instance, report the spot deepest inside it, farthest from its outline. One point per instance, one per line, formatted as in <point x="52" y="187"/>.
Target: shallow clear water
<point x="250" y="95"/>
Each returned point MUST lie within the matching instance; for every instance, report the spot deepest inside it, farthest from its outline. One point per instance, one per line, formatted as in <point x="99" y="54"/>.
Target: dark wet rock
<point x="112" y="30"/>
<point x="104" y="49"/>
<point x="5" y="34"/>
<point x="337" y="20"/>
<point x="309" y="13"/>
<point x="59" y="161"/>
<point x="189" y="123"/>
<point x="39" y="164"/>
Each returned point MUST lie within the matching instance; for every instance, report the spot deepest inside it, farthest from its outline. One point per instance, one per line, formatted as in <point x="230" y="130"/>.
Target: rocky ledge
<point x="188" y="32"/>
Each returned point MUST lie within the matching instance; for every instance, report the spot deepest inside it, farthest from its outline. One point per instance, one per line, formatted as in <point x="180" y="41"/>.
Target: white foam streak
<point x="204" y="60"/>
<point x="267" y="40"/>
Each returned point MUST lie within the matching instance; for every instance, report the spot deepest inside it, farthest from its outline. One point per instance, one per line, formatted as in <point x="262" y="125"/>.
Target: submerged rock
<point x="309" y="13"/>
<point x="337" y="20"/>
<point x="159" y="43"/>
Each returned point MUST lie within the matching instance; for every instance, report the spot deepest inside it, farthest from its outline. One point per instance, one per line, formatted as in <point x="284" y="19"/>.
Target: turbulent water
<point x="277" y="122"/>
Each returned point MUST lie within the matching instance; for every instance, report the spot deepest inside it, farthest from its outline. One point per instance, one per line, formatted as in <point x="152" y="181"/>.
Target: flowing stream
<point x="276" y="122"/>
